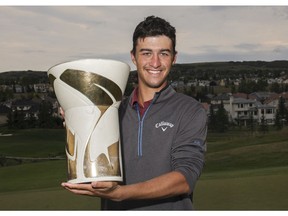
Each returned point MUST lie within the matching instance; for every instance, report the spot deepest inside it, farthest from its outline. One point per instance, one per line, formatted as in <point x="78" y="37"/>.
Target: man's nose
<point x="155" y="61"/>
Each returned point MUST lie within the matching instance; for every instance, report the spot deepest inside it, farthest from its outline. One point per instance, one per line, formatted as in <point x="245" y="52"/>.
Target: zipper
<point x="140" y="127"/>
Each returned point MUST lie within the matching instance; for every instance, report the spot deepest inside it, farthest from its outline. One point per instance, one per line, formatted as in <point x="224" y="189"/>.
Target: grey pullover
<point x="170" y="136"/>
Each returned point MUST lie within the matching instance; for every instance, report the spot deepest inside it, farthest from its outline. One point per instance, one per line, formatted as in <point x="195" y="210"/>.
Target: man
<point x="163" y="132"/>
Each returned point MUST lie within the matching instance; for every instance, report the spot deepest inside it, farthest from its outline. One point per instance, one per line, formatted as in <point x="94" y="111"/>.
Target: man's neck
<point x="147" y="94"/>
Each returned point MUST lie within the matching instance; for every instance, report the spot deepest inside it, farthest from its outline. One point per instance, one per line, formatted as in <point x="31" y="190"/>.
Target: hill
<point x="23" y="77"/>
<point x="222" y="70"/>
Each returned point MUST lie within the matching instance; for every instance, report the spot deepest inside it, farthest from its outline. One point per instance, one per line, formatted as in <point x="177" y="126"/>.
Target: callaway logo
<point x="164" y="125"/>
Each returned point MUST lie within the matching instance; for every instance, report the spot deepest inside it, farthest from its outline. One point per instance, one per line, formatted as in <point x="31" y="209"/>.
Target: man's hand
<point x="164" y="186"/>
<point x="106" y="190"/>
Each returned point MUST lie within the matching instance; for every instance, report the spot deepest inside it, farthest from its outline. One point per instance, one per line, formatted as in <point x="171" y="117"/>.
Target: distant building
<point x="241" y="110"/>
<point x="41" y="87"/>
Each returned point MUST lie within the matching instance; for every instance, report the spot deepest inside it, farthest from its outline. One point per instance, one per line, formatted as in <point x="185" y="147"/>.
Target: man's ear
<point x="133" y="58"/>
<point x="175" y="57"/>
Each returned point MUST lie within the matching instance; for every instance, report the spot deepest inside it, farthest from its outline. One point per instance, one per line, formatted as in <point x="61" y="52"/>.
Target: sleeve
<point x="189" y="146"/>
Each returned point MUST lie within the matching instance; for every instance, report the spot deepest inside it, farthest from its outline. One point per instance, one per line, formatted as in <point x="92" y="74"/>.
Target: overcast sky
<point x="38" y="37"/>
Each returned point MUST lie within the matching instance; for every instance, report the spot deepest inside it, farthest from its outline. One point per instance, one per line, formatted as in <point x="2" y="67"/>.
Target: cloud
<point x="37" y="37"/>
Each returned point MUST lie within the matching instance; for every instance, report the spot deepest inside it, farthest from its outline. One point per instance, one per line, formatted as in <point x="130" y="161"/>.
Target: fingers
<point x="104" y="186"/>
<point x="82" y="189"/>
<point x="100" y="189"/>
<point x="62" y="113"/>
<point x="110" y="189"/>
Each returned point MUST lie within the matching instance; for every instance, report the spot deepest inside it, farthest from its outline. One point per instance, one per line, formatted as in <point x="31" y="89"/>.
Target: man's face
<point x="153" y="58"/>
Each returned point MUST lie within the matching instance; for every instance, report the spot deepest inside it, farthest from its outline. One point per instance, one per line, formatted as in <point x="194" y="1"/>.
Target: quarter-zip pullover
<point x="170" y="136"/>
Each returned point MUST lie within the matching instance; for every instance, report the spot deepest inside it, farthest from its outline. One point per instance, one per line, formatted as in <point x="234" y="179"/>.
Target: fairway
<point x="262" y="189"/>
<point x="242" y="190"/>
<point x="47" y="199"/>
<point x="242" y="172"/>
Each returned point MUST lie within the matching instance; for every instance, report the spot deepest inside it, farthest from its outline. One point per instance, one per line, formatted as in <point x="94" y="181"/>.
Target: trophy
<point x="90" y="91"/>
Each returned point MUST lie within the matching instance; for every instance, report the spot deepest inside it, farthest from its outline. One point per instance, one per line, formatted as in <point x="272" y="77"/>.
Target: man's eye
<point x="165" y="54"/>
<point x="146" y="53"/>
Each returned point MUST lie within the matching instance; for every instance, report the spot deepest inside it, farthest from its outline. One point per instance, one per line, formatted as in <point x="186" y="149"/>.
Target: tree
<point x="222" y="120"/>
<point x="278" y="123"/>
<point x="16" y="119"/>
<point x="45" y="119"/>
<point x="281" y="117"/>
<point x="263" y="127"/>
<point x="212" y="119"/>
<point x="251" y="124"/>
<point x="275" y="87"/>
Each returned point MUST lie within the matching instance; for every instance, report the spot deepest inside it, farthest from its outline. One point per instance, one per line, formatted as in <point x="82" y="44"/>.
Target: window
<point x="240" y="105"/>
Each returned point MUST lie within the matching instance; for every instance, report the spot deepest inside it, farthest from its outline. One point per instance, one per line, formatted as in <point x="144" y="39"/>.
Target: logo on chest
<point x="164" y="125"/>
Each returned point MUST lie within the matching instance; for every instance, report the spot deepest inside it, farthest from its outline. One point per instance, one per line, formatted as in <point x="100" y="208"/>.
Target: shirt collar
<point x="135" y="99"/>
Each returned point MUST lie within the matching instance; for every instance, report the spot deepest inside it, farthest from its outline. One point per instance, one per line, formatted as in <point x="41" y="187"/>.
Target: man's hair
<point x="154" y="26"/>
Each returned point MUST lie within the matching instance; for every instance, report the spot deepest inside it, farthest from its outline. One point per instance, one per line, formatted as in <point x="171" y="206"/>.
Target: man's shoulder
<point x="186" y="98"/>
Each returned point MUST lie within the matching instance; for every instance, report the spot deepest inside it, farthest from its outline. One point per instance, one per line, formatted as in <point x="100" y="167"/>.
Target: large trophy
<point x="90" y="91"/>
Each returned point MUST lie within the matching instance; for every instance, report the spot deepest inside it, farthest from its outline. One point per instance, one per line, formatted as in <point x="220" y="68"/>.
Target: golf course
<point x="243" y="171"/>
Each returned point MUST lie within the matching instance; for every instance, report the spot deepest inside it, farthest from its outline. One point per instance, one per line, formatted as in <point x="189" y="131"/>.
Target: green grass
<point x="242" y="172"/>
<point x="260" y="189"/>
<point x="242" y="150"/>
<point x="36" y="186"/>
<point x="33" y="143"/>
<point x="47" y="199"/>
<point x="32" y="176"/>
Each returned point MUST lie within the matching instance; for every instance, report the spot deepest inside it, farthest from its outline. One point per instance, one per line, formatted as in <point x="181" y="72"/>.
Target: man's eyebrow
<point x="150" y="50"/>
<point x="145" y="50"/>
<point x="165" y="50"/>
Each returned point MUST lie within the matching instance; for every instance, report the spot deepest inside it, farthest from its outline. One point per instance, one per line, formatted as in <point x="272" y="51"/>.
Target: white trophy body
<point x="90" y="92"/>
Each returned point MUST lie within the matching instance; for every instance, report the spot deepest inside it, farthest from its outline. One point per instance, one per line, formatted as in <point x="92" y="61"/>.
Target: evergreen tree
<point x="222" y="120"/>
<point x="281" y="117"/>
<point x="45" y="119"/>
<point x="263" y="127"/>
<point x="212" y="119"/>
<point x="251" y="124"/>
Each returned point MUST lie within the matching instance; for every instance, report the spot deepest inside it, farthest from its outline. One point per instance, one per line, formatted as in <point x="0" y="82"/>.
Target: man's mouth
<point x="154" y="71"/>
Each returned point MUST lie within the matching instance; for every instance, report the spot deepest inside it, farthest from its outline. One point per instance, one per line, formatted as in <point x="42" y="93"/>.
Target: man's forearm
<point x="167" y="185"/>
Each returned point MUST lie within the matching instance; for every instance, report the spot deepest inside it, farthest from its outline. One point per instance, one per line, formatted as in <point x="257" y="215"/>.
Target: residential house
<point x="41" y="87"/>
<point x="241" y="110"/>
<point x="274" y="100"/>
<point x="27" y="106"/>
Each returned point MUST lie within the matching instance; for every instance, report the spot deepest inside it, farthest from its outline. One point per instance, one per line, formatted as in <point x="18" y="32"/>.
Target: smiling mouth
<point x="154" y="71"/>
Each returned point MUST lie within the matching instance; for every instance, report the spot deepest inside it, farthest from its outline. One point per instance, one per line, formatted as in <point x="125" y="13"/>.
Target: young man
<point x="163" y="133"/>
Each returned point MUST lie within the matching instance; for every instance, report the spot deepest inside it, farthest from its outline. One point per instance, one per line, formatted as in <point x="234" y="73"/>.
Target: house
<point x="41" y="87"/>
<point x="27" y="106"/>
<point x="262" y="96"/>
<point x="18" y="88"/>
<point x="242" y="110"/>
<point x="222" y="98"/>
<point x="274" y="100"/>
<point x="267" y="112"/>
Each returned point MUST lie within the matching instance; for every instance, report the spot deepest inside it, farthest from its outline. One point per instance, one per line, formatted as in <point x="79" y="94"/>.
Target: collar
<point x="135" y="99"/>
<point x="166" y="92"/>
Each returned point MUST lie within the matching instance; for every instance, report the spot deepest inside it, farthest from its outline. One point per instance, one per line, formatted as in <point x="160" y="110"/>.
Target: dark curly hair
<point x="154" y="26"/>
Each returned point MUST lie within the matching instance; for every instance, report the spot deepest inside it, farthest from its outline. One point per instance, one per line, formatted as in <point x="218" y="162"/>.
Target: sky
<point x="38" y="37"/>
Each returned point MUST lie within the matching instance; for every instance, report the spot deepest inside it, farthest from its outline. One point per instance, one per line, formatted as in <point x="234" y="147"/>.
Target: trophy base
<point x="88" y="180"/>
